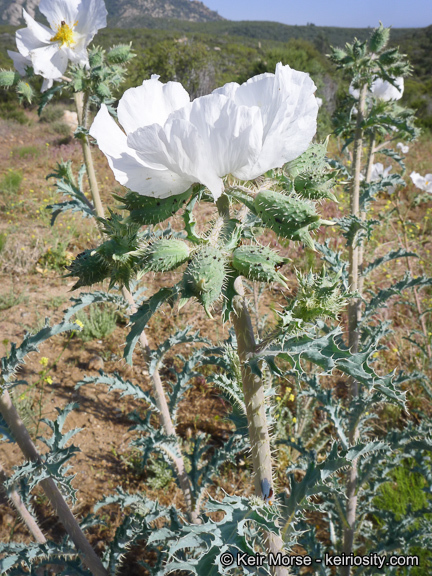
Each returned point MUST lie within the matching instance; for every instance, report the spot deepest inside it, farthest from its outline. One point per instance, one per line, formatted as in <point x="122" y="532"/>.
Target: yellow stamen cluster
<point x="65" y="35"/>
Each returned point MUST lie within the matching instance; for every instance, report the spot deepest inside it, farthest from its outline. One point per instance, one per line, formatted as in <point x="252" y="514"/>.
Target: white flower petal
<point x="402" y="147"/>
<point x="49" y="61"/>
<point x="150" y="103"/>
<point x="34" y="36"/>
<point x="57" y="11"/>
<point x="20" y="62"/>
<point x="289" y="113"/>
<point x="91" y="17"/>
<point x="127" y="167"/>
<point x="418" y="180"/>
<point x="383" y="90"/>
<point x="47" y="84"/>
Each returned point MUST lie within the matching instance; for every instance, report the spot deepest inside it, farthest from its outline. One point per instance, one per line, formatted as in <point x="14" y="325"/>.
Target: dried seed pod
<point x="204" y="276"/>
<point x="259" y="263"/>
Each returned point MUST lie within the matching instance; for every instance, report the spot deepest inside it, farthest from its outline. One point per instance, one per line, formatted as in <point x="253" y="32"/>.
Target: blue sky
<point x="347" y="13"/>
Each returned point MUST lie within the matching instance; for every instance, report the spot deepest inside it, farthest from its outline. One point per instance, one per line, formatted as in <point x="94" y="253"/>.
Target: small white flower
<point x="73" y="26"/>
<point x="171" y="143"/>
<point x="382" y="89"/>
<point x="422" y="182"/>
<point x="402" y="147"/>
<point x="378" y="171"/>
<point x="319" y="101"/>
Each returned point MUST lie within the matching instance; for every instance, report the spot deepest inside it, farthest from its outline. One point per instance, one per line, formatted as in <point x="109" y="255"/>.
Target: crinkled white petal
<point x="32" y="37"/>
<point x="91" y="17"/>
<point x="128" y="169"/>
<point x="56" y="11"/>
<point x="418" y="180"/>
<point x="203" y="141"/>
<point x="289" y="111"/>
<point x="49" y="61"/>
<point x="385" y="91"/>
<point x="20" y="62"/>
<point x="150" y="103"/>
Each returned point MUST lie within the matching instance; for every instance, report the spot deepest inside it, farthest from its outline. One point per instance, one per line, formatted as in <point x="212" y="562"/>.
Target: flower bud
<point x="289" y="216"/>
<point x="145" y="210"/>
<point x="164" y="255"/>
<point x="204" y="276"/>
<point x="379" y="38"/>
<point x="259" y="263"/>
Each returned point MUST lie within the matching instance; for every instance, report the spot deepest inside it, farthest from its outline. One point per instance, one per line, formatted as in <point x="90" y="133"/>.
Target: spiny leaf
<point x="141" y="318"/>
<point x="393" y="255"/>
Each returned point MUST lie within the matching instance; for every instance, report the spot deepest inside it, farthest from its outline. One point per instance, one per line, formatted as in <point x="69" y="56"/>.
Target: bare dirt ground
<point x="33" y="287"/>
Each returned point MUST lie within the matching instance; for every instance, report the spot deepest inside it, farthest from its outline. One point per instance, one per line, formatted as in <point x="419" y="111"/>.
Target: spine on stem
<point x="353" y="334"/>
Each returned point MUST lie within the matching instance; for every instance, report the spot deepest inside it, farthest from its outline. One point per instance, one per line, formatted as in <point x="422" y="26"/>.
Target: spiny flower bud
<point x="289" y="216"/>
<point x="163" y="255"/>
<point x="103" y="91"/>
<point x="204" y="276"/>
<point x="312" y="160"/>
<point x="8" y="78"/>
<point x="379" y="38"/>
<point x="145" y="210"/>
<point x="119" y="54"/>
<point x="259" y="263"/>
<point x="89" y="267"/>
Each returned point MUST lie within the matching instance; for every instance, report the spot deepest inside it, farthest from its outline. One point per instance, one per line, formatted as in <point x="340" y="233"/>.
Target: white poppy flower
<point x="73" y="26"/>
<point x="382" y="89"/>
<point x="171" y="143"/>
<point x="319" y="101"/>
<point x="402" y="147"/>
<point x="378" y="171"/>
<point x="422" y="182"/>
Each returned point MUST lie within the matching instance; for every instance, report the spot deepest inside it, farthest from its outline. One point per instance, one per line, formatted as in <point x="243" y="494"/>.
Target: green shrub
<point x="11" y="182"/>
<point x="12" y="111"/>
<point x="98" y="323"/>
<point x="61" y="129"/>
<point x="26" y="151"/>
<point x="52" y="114"/>
<point x="56" y="257"/>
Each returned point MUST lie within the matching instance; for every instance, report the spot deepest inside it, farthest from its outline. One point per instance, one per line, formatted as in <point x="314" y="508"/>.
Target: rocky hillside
<point x="122" y="13"/>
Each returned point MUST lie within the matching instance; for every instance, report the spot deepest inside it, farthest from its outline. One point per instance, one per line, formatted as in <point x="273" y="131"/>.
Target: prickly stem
<point x="22" y="437"/>
<point x="253" y="389"/>
<point x="353" y="334"/>
<point x="22" y="510"/>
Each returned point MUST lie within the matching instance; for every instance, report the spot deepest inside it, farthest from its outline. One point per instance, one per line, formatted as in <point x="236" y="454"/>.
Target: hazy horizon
<point x="402" y="14"/>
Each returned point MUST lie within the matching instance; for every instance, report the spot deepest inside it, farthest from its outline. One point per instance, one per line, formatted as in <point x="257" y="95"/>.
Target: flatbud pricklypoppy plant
<point x="247" y="149"/>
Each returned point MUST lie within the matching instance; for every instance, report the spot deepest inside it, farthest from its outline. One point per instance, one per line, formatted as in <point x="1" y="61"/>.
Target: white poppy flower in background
<point x="382" y="89"/>
<point x="378" y="171"/>
<point x="422" y="182"/>
<point x="402" y="147"/>
<point x="73" y="26"/>
<point x="319" y="101"/>
<point x="172" y="143"/>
